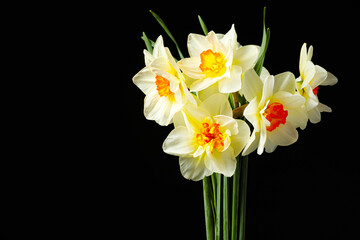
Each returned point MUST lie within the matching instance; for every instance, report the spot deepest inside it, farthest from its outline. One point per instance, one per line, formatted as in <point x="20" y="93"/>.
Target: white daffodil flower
<point x="163" y="84"/>
<point x="207" y="138"/>
<point x="311" y="77"/>
<point x="274" y="110"/>
<point x="218" y="61"/>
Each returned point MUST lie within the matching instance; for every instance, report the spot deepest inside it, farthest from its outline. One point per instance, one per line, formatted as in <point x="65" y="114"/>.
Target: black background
<point x="82" y="161"/>
<point x="309" y="190"/>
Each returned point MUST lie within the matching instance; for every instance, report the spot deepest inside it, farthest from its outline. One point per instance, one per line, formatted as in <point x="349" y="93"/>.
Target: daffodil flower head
<point x="217" y="61"/>
<point x="311" y="77"/>
<point x="163" y="84"/>
<point x="207" y="138"/>
<point x="274" y="110"/>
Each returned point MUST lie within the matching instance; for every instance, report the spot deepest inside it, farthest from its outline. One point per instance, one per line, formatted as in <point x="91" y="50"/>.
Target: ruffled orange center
<point x="276" y="115"/>
<point x="211" y="136"/>
<point x="212" y="63"/>
<point x="163" y="86"/>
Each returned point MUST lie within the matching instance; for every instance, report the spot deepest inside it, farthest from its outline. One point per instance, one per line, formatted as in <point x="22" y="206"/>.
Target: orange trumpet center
<point x="276" y="114"/>
<point x="211" y="136"/>
<point x="163" y="86"/>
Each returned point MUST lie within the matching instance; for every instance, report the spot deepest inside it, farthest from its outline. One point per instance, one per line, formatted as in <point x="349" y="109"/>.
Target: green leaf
<point x="147" y="43"/>
<point x="163" y="25"/>
<point x="264" y="46"/>
<point x="203" y="26"/>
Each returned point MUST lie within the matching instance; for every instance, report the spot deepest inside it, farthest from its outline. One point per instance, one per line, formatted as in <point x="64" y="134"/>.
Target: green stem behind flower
<point x="235" y="201"/>
<point x="208" y="207"/>
<point x="218" y="207"/>
<point x="243" y="187"/>
<point x="225" y="209"/>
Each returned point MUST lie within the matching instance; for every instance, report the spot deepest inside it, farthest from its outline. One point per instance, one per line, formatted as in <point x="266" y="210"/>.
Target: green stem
<point x="235" y="201"/>
<point x="243" y="184"/>
<point x="218" y="207"/>
<point x="209" y="218"/>
<point x="225" y="209"/>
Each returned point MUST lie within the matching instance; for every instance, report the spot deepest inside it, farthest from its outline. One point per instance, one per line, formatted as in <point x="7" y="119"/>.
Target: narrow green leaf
<point x="263" y="48"/>
<point x="163" y="25"/>
<point x="208" y="202"/>
<point x="203" y="26"/>
<point x="147" y="43"/>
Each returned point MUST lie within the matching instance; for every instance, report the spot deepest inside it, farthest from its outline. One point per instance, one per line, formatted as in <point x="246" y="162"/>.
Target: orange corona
<point x="212" y="63"/>
<point x="211" y="136"/>
<point x="276" y="114"/>
<point x="163" y="86"/>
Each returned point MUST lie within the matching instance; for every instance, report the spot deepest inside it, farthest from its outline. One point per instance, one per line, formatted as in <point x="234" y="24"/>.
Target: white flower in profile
<point x="217" y="60"/>
<point x="274" y="110"/>
<point x="207" y="138"/>
<point x="311" y="77"/>
<point x="163" y="84"/>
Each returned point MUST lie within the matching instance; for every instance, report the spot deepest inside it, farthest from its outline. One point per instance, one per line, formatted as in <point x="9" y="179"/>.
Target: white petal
<point x="145" y="80"/>
<point x="267" y="90"/>
<point x="270" y="146"/>
<point x="215" y="44"/>
<point x="221" y="162"/>
<point x="227" y="122"/>
<point x="319" y="77"/>
<point x="311" y="99"/>
<point x="290" y="101"/>
<point x="230" y="38"/>
<point x="324" y="108"/>
<point x="217" y="104"/>
<point x="148" y="57"/>
<point x="283" y="135"/>
<point x="252" y="85"/>
<point x="308" y="74"/>
<point x="159" y="49"/>
<point x="284" y="82"/>
<point x="330" y="80"/>
<point x="190" y="67"/>
<point x="197" y="44"/>
<point x="232" y="83"/>
<point x="157" y="108"/>
<point x="246" y="56"/>
<point x="193" y="168"/>
<point x="297" y="117"/>
<point x="194" y="116"/>
<point x="203" y="84"/>
<point x="239" y="140"/>
<point x="251" y="113"/>
<point x="263" y="136"/>
<point x="179" y="142"/>
<point x="161" y="63"/>
<point x="209" y="91"/>
<point x="303" y="58"/>
<point x="252" y="143"/>
<point x="314" y="115"/>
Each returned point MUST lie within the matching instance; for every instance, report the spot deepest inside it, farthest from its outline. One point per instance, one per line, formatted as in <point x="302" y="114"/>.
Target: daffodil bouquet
<point x="224" y="105"/>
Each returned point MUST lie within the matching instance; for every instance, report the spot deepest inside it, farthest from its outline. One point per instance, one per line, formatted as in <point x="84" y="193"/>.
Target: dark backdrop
<point x="309" y="190"/>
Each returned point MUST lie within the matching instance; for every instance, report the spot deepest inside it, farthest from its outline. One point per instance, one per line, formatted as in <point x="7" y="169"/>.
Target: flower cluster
<point x="197" y="95"/>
